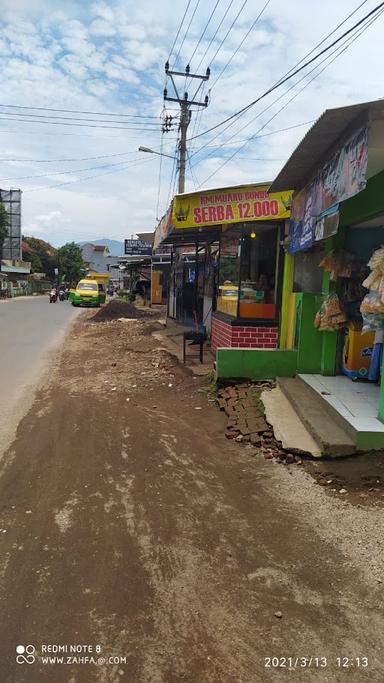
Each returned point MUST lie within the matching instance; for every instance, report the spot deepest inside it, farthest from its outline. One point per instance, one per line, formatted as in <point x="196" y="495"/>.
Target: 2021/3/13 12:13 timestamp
<point x="352" y="662"/>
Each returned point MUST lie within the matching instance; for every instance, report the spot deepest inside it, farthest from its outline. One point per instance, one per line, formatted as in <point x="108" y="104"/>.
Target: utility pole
<point x="185" y="113"/>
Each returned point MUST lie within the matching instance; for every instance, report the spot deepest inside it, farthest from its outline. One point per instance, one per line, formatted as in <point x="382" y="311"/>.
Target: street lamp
<point x="152" y="151"/>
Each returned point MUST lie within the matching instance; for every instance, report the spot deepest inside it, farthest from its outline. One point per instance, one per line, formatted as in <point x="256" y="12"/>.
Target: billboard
<point x="230" y="205"/>
<point x="11" y="199"/>
<point x="137" y="248"/>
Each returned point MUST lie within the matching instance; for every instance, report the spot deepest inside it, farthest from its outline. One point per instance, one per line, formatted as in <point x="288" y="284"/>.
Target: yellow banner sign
<point x="230" y="205"/>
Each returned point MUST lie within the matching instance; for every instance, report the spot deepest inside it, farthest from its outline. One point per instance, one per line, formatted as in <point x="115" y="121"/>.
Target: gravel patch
<point x="357" y="531"/>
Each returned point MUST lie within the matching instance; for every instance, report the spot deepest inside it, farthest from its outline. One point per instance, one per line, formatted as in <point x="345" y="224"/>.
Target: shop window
<point x="249" y="261"/>
<point x="229" y="272"/>
<point x="259" y="260"/>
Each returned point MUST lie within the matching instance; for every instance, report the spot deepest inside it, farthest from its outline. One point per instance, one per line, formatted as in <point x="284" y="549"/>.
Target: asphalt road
<point x="30" y="329"/>
<point x="139" y="545"/>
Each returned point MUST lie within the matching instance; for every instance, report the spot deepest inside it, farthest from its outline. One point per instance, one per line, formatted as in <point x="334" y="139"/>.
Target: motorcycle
<point x="52" y="296"/>
<point x="61" y="295"/>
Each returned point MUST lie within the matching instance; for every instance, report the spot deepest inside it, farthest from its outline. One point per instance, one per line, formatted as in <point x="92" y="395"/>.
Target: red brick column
<point x="221" y="334"/>
<point x="242" y="337"/>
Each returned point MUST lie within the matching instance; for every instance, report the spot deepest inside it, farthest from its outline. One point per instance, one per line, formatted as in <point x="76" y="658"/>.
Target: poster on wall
<point x="230" y="205"/>
<point x="314" y="214"/>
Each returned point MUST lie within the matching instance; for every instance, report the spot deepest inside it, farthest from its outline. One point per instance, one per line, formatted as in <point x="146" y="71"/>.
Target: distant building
<point x="96" y="257"/>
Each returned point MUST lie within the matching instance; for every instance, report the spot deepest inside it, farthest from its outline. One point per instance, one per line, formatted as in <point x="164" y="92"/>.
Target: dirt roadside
<point x="128" y="521"/>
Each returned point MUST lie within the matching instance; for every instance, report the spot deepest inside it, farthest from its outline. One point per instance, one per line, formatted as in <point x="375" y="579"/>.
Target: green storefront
<point x="337" y="225"/>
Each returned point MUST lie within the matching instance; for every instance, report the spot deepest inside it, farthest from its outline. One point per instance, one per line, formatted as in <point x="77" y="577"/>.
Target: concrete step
<point x="319" y="418"/>
<point x="287" y="426"/>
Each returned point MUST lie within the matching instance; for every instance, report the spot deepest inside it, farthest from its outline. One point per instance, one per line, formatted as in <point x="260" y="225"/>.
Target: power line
<point x="178" y="30"/>
<point x="80" y="180"/>
<point x="327" y="36"/>
<point x="73" y="118"/>
<point x="72" y="135"/>
<point x="79" y="125"/>
<point x="215" y="34"/>
<point x="68" y="172"/>
<point x="51" y="161"/>
<point x="294" y="73"/>
<point x="273" y="132"/>
<point x="159" y="180"/>
<point x="203" y="32"/>
<point x="76" y="111"/>
<point x="242" y="42"/>
<point x="186" y="32"/>
<point x="294" y="85"/>
<point x="229" y="30"/>
<point x="173" y="174"/>
<point x="192" y="173"/>
<point x="339" y="51"/>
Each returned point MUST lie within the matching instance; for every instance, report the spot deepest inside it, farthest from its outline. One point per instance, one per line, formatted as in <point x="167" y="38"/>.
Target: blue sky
<point x="109" y="57"/>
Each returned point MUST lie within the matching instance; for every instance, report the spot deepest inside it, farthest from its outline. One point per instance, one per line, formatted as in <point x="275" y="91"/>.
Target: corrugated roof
<point x="320" y="138"/>
<point x="147" y="237"/>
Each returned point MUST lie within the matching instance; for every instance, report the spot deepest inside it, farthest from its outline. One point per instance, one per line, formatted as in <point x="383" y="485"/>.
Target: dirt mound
<point x="119" y="309"/>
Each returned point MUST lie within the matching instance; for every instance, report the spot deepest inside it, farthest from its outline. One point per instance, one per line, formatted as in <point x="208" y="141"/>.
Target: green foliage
<point x="70" y="261"/>
<point x="213" y="384"/>
<point x="4" y="224"/>
<point x="41" y="254"/>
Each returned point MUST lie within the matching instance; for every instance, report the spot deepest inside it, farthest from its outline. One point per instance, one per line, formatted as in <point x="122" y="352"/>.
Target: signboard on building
<point x="314" y="213"/>
<point x="230" y="205"/>
<point x="137" y="248"/>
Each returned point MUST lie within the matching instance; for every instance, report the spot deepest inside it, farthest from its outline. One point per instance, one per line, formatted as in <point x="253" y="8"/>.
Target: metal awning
<point x="193" y="236"/>
<point x="320" y="139"/>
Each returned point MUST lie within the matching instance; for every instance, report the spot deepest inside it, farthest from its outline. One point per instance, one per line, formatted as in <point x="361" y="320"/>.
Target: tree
<point x="71" y="265"/>
<point x="4" y="225"/>
<point x="41" y="254"/>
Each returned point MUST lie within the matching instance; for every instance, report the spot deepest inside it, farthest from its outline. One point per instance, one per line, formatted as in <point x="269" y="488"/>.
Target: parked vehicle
<point x="87" y="294"/>
<point x="53" y="296"/>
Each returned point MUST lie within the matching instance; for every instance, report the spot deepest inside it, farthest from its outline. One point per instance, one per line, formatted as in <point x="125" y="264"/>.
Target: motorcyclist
<point x="53" y="295"/>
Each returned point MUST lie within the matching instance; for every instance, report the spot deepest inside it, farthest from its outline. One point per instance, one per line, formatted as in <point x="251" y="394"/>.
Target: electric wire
<point x="51" y="161"/>
<point x="327" y="36"/>
<point x="179" y="29"/>
<point x="228" y="31"/>
<point x="203" y="32"/>
<point x="270" y="133"/>
<point x="173" y="174"/>
<point x="78" y="125"/>
<point x="68" y="172"/>
<point x="191" y="171"/>
<point x="215" y="34"/>
<point x="80" y="180"/>
<point x="73" y="118"/>
<point x="72" y="135"/>
<point x="76" y="111"/>
<point x="159" y="178"/>
<point x="294" y="85"/>
<point x="186" y="32"/>
<point x="241" y="43"/>
<point x="339" y="51"/>
<point x="283" y="95"/>
<point x="279" y="83"/>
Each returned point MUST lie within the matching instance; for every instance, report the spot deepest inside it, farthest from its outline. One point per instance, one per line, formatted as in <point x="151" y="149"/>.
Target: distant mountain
<point x="115" y="247"/>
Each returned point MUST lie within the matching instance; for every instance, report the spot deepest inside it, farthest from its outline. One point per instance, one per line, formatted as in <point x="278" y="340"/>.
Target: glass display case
<point x="248" y="269"/>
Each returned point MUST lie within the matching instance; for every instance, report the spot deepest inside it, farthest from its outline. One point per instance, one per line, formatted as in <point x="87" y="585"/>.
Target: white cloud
<point x="99" y="27"/>
<point x="109" y="56"/>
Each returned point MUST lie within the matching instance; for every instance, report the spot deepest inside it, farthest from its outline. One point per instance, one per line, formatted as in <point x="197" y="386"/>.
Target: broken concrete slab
<point x="287" y="426"/>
